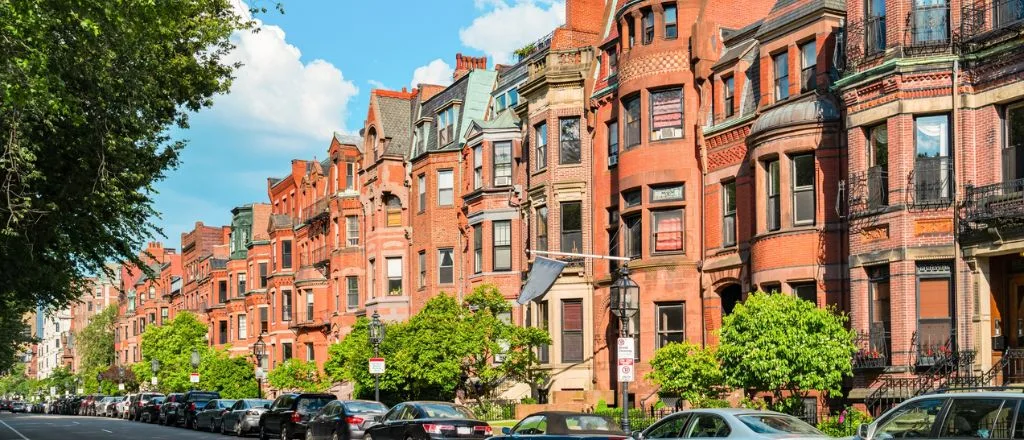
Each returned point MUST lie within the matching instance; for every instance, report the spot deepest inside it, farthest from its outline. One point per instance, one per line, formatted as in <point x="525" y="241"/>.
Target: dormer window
<point x="613" y="62"/>
<point x="446" y="126"/>
<point x="502" y="163"/>
<point x="499" y="103"/>
<point x="729" y="86"/>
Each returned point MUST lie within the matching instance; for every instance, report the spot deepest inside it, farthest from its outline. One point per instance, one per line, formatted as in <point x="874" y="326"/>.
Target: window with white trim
<point x="502" y="163"/>
<point x="394" y="266"/>
<point x="501" y="235"/>
<point x="445" y="188"/>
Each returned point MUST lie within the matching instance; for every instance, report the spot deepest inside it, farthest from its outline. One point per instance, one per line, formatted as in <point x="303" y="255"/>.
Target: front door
<point x="1015" y="315"/>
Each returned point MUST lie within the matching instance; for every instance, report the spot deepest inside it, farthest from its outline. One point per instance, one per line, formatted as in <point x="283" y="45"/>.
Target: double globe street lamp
<point x="259" y="350"/>
<point x="624" y="296"/>
<point x="376" y="338"/>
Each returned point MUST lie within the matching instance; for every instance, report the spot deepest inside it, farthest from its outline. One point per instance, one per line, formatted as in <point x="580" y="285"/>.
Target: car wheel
<point x="285" y="435"/>
<point x="335" y="436"/>
<point x="263" y="434"/>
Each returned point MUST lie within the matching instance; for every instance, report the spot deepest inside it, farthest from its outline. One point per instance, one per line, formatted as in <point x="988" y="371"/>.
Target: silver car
<point x="730" y="423"/>
<point x="988" y="414"/>
<point x="244" y="416"/>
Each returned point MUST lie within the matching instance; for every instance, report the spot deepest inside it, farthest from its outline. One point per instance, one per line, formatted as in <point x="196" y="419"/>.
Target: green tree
<point x="688" y="370"/>
<point x="96" y="340"/>
<point x="90" y="92"/>
<point x="297" y="375"/>
<point x="15" y="333"/>
<point x="779" y="343"/>
<point x="233" y="377"/>
<point x="172" y="344"/>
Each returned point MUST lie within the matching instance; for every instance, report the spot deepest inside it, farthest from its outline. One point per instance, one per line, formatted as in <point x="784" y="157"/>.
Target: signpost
<point x="377" y="365"/>
<point x="194" y="378"/>
<point x="626" y="353"/>
<point x="120" y="387"/>
<point x="153" y="380"/>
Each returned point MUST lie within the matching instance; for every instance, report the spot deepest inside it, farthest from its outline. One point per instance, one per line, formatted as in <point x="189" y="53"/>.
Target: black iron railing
<point x="316" y="210"/>
<point x="873" y="351"/>
<point x="868" y="190"/>
<point x="865" y="39"/>
<point x="928" y="27"/>
<point x="981" y="18"/>
<point x="1003" y="201"/>
<point x="931" y="182"/>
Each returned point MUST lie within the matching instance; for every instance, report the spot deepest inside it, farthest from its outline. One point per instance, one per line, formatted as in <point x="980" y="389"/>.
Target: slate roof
<point x="787" y="11"/>
<point x="734" y="53"/>
<point x="396" y="115"/>
<point x="474" y="91"/>
<point x="348" y="139"/>
<point x="816" y="109"/>
<point x="506" y="119"/>
<point x="218" y="263"/>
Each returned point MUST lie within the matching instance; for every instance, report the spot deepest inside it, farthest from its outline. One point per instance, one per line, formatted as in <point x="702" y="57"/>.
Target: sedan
<point x="732" y="423"/>
<point x="150" y="411"/>
<point x="560" y="425"/>
<point x="244" y="416"/>
<point x="211" y="416"/>
<point x="19" y="407"/>
<point x="428" y="420"/>
<point x="344" y="419"/>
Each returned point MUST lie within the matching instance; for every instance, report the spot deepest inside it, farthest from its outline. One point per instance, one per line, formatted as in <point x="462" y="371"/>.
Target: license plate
<point x="464" y="430"/>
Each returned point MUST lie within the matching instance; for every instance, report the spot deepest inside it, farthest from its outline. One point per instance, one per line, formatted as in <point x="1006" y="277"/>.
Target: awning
<point x="542" y="276"/>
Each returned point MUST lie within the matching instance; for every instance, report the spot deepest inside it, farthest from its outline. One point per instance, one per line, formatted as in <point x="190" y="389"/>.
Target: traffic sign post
<point x="152" y="380"/>
<point x="377" y="365"/>
<point x="626" y="370"/>
<point x="194" y="378"/>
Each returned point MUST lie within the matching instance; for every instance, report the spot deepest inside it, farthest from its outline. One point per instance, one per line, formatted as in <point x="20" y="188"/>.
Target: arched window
<point x="394" y="207"/>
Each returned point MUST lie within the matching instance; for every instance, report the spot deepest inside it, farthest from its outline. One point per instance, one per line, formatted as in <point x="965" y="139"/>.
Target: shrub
<point x="845" y="423"/>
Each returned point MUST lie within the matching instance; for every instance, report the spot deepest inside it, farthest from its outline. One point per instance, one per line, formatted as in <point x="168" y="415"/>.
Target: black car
<point x="193" y="402"/>
<point x="150" y="411"/>
<point x="428" y="420"/>
<point x="137" y="402"/>
<point x="563" y="425"/>
<point x="289" y="413"/>
<point x="211" y="416"/>
<point x="171" y="410"/>
<point x="344" y="419"/>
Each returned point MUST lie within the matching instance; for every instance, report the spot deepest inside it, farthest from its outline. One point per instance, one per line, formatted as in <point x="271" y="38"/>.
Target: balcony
<point x="318" y="209"/>
<point x="319" y="321"/>
<point x="998" y="208"/>
<point x="990" y="19"/>
<point x="868" y="191"/>
<point x="317" y="256"/>
<point x="930" y="184"/>
<point x="866" y="38"/>
<point x="928" y="30"/>
<point x="557" y="67"/>
<point x="873" y="351"/>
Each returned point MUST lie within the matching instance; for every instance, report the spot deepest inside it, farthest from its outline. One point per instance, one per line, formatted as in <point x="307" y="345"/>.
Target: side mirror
<point x="862" y="431"/>
<point x="637" y="435"/>
<point x="506" y="430"/>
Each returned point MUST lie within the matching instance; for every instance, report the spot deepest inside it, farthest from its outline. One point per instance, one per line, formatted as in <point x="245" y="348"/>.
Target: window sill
<point x="667" y="253"/>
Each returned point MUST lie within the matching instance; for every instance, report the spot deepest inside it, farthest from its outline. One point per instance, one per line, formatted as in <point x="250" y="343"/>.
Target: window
<point x="310" y="302"/>
<point x="241" y="284"/>
<point x="350" y="176"/>
<point x="264" y="325"/>
<point x="631" y="108"/>
<point x="542" y="228"/>
<point x="445" y="266"/>
<point x="572" y="330"/>
<point x="223" y="333"/>
<point x="478" y="167"/>
<point x="773" y="217"/>
<point x="613" y="143"/>
<point x="286" y="254"/>
<point x="1013" y="148"/>
<point x="805" y="291"/>
<point x="222" y="292"/>
<point x="499" y="102"/>
<point x="671" y="27"/>
<point x="667" y="234"/>
<point x="542" y="323"/>
<point x="633" y="239"/>
<point x="352" y="230"/>
<point x="670" y="323"/>
<point x="978" y="418"/>
<point x="243" y="328"/>
<point x="501" y="235"/>
<point x="808" y="61"/>
<point x="478" y="248"/>
<point x="932" y="167"/>
<point x="446" y="126"/>
<point x="502" y="163"/>
<point x="541" y="131"/>
<point x="445" y="191"/>
<point x="421" y="192"/>
<point x="263" y="275"/>
<point x="914" y="419"/>
<point x="666" y="114"/>
<point x="728" y="213"/>
<point x="286" y="305"/>
<point x="633" y="197"/>
<point x="729" y="86"/>
<point x="879" y="313"/>
<point x="569" y="141"/>
<point x="513" y="97"/>
<point x="708" y="425"/>
<point x="930" y="21"/>
<point x="667" y="193"/>
<point x="373" y="143"/>
<point x="613" y="62"/>
<point x="394" y="275"/>
<point x="874" y="35"/>
<point x="803" y="189"/>
<point x="163" y="315"/>
<point x="878" y="166"/>
<point x="373" y="278"/>
<point x="572" y="227"/>
<point x="934" y="314"/>
<point x="631" y="33"/>
<point x="781" y="63"/>
<point x="421" y="258"/>
<point x="670" y="427"/>
<point x="648" y="25"/>
<point x="310" y="353"/>
<point x="286" y="350"/>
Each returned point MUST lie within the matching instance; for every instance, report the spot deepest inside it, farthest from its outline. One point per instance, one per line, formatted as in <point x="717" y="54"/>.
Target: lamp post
<point x="120" y="377"/>
<point x="624" y="295"/>
<point x="259" y="349"/>
<point x="195" y="363"/>
<point x="376" y="337"/>
<point x="154" y="366"/>
<point x="99" y="388"/>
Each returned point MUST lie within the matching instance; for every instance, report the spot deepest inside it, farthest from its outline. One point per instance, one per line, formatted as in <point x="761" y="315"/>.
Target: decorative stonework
<point x="651" y="65"/>
<point x="929" y="226"/>
<point x="875" y="233"/>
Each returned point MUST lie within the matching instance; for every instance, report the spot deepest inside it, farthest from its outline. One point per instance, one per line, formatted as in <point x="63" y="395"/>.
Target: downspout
<point x="703" y="179"/>
<point x="954" y="126"/>
<point x="458" y="178"/>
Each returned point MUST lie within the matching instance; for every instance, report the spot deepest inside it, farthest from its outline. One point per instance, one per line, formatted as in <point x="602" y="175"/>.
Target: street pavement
<point x="55" y="427"/>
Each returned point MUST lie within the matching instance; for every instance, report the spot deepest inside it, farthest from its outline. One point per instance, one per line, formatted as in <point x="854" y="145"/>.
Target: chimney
<point x="465" y="64"/>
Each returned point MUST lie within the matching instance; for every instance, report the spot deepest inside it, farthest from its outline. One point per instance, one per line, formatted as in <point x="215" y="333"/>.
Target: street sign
<point x="81" y="391"/>
<point x="626" y="370"/>
<point x="120" y="387"/>
<point x="626" y="348"/>
<point x="53" y="391"/>
<point x="194" y="378"/>
<point x="153" y="380"/>
<point x="260" y="374"/>
<point x="376" y="365"/>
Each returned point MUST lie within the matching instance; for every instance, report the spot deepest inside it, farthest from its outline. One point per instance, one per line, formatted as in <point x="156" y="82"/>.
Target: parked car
<point x="137" y="402"/>
<point x="19" y="407"/>
<point x="559" y="425"/>
<point x="111" y="409"/>
<point x="194" y="400"/>
<point x="170" y="411"/>
<point x="244" y="416"/>
<point x="75" y="405"/>
<point x="211" y="416"/>
<point x="426" y="420"/>
<point x="5" y="405"/>
<point x="344" y="419"/>
<point x="122" y="407"/>
<point x="730" y="422"/>
<point x="289" y="413"/>
<point x="150" y="411"/>
<point x="978" y="414"/>
<point x="100" y="407"/>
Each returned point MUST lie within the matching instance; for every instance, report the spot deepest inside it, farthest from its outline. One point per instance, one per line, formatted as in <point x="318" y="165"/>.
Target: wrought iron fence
<point x="981" y="17"/>
<point x="868" y="190"/>
<point x="873" y="350"/>
<point x="493" y="410"/>
<point x="865" y="39"/>
<point x="995" y="202"/>
<point x="931" y="182"/>
<point x="928" y="27"/>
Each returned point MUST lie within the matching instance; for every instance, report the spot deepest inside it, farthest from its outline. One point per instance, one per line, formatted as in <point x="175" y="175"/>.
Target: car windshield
<point x="442" y="411"/>
<point x="258" y="403"/>
<point x="225" y="403"/>
<point x="159" y="399"/>
<point x="204" y="397"/>
<point x="590" y="423"/>
<point x="309" y="405"/>
<point x="777" y="424"/>
<point x="366" y="407"/>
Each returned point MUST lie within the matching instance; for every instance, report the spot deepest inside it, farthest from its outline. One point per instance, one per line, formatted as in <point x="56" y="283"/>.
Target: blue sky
<point x="309" y="73"/>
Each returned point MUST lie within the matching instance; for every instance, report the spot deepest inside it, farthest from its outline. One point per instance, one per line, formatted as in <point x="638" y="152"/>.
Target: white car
<point x="730" y="422"/>
<point x="122" y="407"/>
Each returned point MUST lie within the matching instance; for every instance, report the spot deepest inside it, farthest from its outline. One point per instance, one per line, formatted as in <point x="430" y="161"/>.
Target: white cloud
<point x="376" y="84"/>
<point x="436" y="72"/>
<point x="275" y="93"/>
<point x="506" y="27"/>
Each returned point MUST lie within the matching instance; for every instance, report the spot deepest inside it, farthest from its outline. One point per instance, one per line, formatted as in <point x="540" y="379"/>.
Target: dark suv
<point x="194" y="402"/>
<point x="289" y="413"/>
<point x="137" y="402"/>
<point x="170" y="410"/>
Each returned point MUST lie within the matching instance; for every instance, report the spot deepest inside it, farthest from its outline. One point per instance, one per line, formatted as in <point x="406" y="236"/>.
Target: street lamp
<point x="99" y="388"/>
<point x="624" y="295"/>
<point x="195" y="361"/>
<point x="376" y="337"/>
<point x="259" y="349"/>
<point x="154" y="366"/>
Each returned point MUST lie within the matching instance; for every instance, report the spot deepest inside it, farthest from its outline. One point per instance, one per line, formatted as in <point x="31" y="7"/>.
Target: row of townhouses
<point x="863" y="155"/>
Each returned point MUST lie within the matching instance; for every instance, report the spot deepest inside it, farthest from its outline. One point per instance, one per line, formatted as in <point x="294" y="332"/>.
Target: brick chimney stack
<point x="464" y="64"/>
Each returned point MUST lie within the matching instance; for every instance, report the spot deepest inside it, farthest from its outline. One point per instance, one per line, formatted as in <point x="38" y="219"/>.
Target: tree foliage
<point x="688" y="370"/>
<point x="779" y="343"/>
<point x="96" y="340"/>
<point x="233" y="377"/>
<point x="297" y="375"/>
<point x="172" y="345"/>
